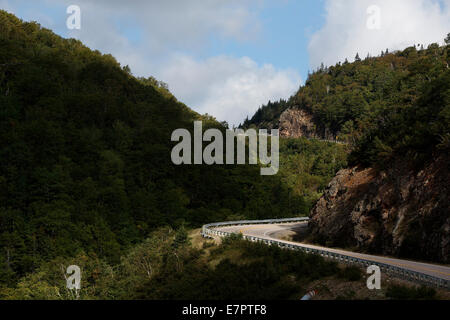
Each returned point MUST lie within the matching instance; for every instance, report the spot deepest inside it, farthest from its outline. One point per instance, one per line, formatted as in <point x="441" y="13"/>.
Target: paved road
<point x="273" y="231"/>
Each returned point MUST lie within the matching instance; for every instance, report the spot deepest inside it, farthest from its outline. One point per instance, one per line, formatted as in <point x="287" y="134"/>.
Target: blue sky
<point x="227" y="57"/>
<point x="283" y="42"/>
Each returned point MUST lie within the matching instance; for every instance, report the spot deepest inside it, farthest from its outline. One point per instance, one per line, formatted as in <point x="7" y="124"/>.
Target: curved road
<point x="271" y="231"/>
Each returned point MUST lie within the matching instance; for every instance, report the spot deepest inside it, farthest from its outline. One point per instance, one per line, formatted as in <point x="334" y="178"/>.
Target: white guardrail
<point x="209" y="230"/>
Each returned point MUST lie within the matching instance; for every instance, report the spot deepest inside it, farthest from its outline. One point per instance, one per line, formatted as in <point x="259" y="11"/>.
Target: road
<point x="274" y="231"/>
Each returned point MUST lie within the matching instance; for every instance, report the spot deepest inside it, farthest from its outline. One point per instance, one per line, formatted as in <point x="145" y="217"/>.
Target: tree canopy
<point x="85" y="157"/>
<point x="384" y="106"/>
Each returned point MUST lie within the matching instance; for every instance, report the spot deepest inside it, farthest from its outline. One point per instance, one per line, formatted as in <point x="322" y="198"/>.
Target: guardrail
<point x="208" y="230"/>
<point x="330" y="141"/>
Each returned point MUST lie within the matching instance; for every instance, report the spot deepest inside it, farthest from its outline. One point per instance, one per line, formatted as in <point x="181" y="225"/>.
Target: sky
<point x="228" y="57"/>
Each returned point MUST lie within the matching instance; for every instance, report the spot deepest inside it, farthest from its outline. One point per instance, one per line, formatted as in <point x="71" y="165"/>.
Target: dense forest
<point x="394" y="104"/>
<point x="85" y="157"/>
<point x="307" y="167"/>
<point x="86" y="176"/>
<point x="266" y="117"/>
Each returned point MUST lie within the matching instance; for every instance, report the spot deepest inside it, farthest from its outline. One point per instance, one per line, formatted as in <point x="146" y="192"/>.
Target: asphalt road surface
<point x="275" y="231"/>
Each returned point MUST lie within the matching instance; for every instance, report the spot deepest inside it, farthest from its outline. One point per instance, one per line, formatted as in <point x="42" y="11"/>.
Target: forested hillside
<point x="85" y="157"/>
<point x="393" y="113"/>
<point x="384" y="106"/>
<point x="307" y="166"/>
<point x="86" y="176"/>
<point x="267" y="116"/>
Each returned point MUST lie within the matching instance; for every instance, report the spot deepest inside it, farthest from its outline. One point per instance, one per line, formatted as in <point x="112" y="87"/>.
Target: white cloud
<point x="403" y="23"/>
<point x="172" y="32"/>
<point x="228" y="88"/>
<point x="172" y="24"/>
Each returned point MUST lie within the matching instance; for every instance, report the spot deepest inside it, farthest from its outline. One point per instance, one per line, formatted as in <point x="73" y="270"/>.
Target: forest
<point x="85" y="157"/>
<point x="390" y="106"/>
<point x="86" y="176"/>
<point x="85" y="167"/>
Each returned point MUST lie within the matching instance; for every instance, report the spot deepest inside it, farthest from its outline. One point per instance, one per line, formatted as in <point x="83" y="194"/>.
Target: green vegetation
<point x="351" y="273"/>
<point x="86" y="176"/>
<point x="390" y="106"/>
<point x="398" y="292"/>
<point x="256" y="271"/>
<point x="267" y="115"/>
<point x="163" y="267"/>
<point x="85" y="166"/>
<point x="418" y="131"/>
<point x="307" y="166"/>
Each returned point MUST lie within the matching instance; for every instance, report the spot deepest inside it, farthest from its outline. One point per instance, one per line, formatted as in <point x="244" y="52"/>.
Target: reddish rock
<point x="397" y="211"/>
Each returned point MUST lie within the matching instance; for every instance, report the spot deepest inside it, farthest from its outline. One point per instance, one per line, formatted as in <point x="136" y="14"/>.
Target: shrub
<point x="350" y="273"/>
<point x="398" y="292"/>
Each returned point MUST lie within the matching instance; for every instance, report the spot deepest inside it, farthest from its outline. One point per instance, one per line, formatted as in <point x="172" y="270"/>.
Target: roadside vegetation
<point x="172" y="264"/>
<point x="85" y="168"/>
<point x="398" y="292"/>
<point x="85" y="161"/>
<point x="168" y="265"/>
<point x="86" y="177"/>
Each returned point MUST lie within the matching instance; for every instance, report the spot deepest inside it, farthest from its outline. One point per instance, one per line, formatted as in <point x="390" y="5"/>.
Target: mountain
<point x="395" y="198"/>
<point x="86" y="177"/>
<point x="378" y="105"/>
<point x="85" y="160"/>
<point x="393" y="112"/>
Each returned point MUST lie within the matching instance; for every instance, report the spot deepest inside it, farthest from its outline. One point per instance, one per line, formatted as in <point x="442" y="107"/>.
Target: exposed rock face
<point x="295" y="123"/>
<point x="398" y="212"/>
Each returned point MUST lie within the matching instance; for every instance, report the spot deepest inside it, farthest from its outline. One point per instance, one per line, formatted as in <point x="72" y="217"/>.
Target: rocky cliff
<point x="398" y="211"/>
<point x="295" y="123"/>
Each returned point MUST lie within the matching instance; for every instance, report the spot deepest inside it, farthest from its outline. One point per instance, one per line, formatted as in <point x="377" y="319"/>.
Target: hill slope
<point x="85" y="157"/>
<point x="394" y="112"/>
<point x="382" y="106"/>
<point x="396" y="211"/>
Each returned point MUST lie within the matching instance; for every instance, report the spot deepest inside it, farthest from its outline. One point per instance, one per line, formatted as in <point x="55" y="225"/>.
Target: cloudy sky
<point x="227" y="57"/>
